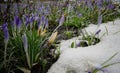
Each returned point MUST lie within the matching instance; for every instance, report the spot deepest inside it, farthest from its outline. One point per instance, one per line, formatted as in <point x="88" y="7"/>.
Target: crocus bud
<point x="98" y="32"/>
<point x="17" y="22"/>
<point x="41" y="32"/>
<point x="62" y="20"/>
<point x="25" y="42"/>
<point x="43" y="19"/>
<point x="99" y="19"/>
<point x="6" y="33"/>
<point x="52" y="37"/>
<point x="46" y="23"/>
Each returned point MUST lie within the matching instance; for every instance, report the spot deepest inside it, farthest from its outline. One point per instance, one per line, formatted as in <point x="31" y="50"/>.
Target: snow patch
<point x="84" y="59"/>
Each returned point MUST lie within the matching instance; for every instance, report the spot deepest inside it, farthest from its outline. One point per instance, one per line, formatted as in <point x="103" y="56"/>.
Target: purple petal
<point x="43" y="19"/>
<point x="62" y="20"/>
<point x="27" y="21"/>
<point x="36" y="17"/>
<point x="78" y="45"/>
<point x="17" y="22"/>
<point x="79" y="15"/>
<point x="31" y="19"/>
<point x="6" y="33"/>
<point x="98" y="32"/>
<point x="46" y="23"/>
<point x="99" y="3"/>
<point x="4" y="26"/>
<point x="110" y="6"/>
<point x="99" y="19"/>
<point x="39" y="23"/>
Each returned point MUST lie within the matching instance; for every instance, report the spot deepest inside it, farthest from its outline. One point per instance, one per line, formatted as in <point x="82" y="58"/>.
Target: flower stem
<point x="5" y="53"/>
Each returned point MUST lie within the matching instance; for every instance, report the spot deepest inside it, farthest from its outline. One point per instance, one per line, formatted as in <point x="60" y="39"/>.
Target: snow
<point x="85" y="59"/>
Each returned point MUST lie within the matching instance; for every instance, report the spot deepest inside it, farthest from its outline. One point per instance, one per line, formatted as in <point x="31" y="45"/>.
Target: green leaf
<point x="110" y="58"/>
<point x="25" y="70"/>
<point x="72" y="45"/>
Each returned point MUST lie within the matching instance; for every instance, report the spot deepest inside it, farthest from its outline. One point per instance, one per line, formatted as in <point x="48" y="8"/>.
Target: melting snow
<point x="85" y="59"/>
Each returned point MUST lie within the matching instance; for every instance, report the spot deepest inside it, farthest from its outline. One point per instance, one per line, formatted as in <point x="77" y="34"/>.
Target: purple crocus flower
<point x="27" y="21"/>
<point x="31" y="21"/>
<point x="40" y="9"/>
<point x="46" y="23"/>
<point x="62" y="20"/>
<point x="78" y="44"/>
<point x="98" y="32"/>
<point x="99" y="19"/>
<point x="43" y="19"/>
<point x="39" y="23"/>
<point x="79" y="15"/>
<point x="17" y="22"/>
<point x="6" y="33"/>
<point x="16" y="19"/>
<point x="36" y="18"/>
<point x="25" y="42"/>
<point x="111" y="6"/>
<point x="99" y="3"/>
<point x="31" y="18"/>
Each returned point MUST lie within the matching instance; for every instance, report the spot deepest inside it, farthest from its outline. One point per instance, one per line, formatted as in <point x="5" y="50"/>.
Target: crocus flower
<point x="27" y="21"/>
<point x="31" y="21"/>
<point x="46" y="23"/>
<point x="52" y="38"/>
<point x="79" y="15"/>
<point x="98" y="32"/>
<point x="40" y="9"/>
<point x="62" y="20"/>
<point x="36" y="17"/>
<point x="111" y="6"/>
<point x="43" y="19"/>
<point x="17" y="22"/>
<point x="78" y="44"/>
<point x="99" y="3"/>
<point x="6" y="33"/>
<point x="99" y="19"/>
<point x="25" y="42"/>
<point x="39" y="23"/>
